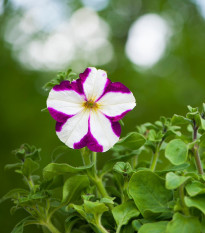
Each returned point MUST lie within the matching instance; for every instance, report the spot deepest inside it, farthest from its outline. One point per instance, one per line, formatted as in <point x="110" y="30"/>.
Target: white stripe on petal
<point x="68" y="101"/>
<point x="113" y="104"/>
<point x="74" y="129"/>
<point x="102" y="131"/>
<point x="95" y="83"/>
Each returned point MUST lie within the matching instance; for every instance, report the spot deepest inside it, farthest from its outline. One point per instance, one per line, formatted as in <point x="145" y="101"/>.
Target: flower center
<point x="90" y="104"/>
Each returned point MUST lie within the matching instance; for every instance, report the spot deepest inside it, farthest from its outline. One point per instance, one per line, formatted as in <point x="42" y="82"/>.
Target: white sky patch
<point x="47" y="13"/>
<point x="96" y="4"/>
<point x="83" y="37"/>
<point x="1" y="7"/>
<point x="201" y="6"/>
<point x="147" y="40"/>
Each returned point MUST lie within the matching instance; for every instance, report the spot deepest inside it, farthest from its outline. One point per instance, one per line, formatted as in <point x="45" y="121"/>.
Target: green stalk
<point x="118" y="228"/>
<point x="181" y="195"/>
<point x="51" y="227"/>
<point x="195" y="149"/>
<point x="94" y="158"/>
<point x="156" y="156"/>
<point x="154" y="160"/>
<point x="92" y="174"/>
<point x="100" y="226"/>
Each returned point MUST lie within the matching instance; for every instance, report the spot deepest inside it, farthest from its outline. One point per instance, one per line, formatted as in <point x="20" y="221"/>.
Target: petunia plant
<point x="153" y="182"/>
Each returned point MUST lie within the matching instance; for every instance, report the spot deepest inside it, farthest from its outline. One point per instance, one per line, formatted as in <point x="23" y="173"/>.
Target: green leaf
<point x="179" y="120"/>
<point x="19" y="226"/>
<point x="107" y="200"/>
<point x="27" y="151"/>
<point x="195" y="188"/>
<point x="176" y="152"/>
<point x="149" y="193"/>
<point x="183" y="224"/>
<point x="197" y="202"/>
<point x="73" y="186"/>
<point x="124" y="212"/>
<point x="110" y="163"/>
<point x="14" y="193"/>
<point x="96" y="208"/>
<point x="61" y="76"/>
<point x="29" y="166"/>
<point x="13" y="166"/>
<point x="123" y="168"/>
<point x="174" y="168"/>
<point x="173" y="181"/>
<point x="91" y="211"/>
<point x="155" y="227"/>
<point x="132" y="141"/>
<point x="54" y="169"/>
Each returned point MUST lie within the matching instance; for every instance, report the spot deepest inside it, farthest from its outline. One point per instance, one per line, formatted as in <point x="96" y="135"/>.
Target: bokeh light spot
<point x="147" y="40"/>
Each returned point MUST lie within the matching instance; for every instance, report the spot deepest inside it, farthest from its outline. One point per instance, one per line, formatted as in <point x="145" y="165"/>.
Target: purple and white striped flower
<point x="88" y="109"/>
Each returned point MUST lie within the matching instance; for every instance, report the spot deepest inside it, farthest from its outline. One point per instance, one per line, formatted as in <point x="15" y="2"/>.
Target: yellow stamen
<point x="90" y="104"/>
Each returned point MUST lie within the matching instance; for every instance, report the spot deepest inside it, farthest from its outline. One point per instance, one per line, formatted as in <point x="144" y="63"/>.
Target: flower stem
<point x="92" y="174"/>
<point x="181" y="195"/>
<point x="51" y="227"/>
<point x="94" y="159"/>
<point x="118" y="228"/>
<point x="154" y="160"/>
<point x="100" y="226"/>
<point x="156" y="156"/>
<point x="195" y="149"/>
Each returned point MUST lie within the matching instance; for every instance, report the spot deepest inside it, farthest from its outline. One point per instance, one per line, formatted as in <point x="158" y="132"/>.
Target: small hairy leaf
<point x="155" y="227"/>
<point x="124" y="212"/>
<point x="183" y="224"/>
<point x="195" y="188"/>
<point x="173" y="181"/>
<point x="19" y="226"/>
<point x="176" y="152"/>
<point x="54" y="169"/>
<point x="29" y="166"/>
<point x="197" y="202"/>
<point x="14" y="193"/>
<point x="180" y="120"/>
<point x="132" y="141"/>
<point x="73" y="186"/>
<point x="149" y="193"/>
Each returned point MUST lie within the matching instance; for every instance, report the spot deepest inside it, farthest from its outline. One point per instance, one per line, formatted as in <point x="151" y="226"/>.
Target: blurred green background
<point x="156" y="48"/>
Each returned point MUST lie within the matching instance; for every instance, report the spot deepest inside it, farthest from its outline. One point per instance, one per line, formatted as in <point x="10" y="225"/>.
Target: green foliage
<point x="176" y="151"/>
<point x="173" y="181"/>
<point x="156" y="227"/>
<point x="53" y="169"/>
<point x="183" y="224"/>
<point x="61" y="76"/>
<point x="71" y="190"/>
<point x="149" y="194"/>
<point x="153" y="182"/>
<point x="124" y="212"/>
<point x="132" y="141"/>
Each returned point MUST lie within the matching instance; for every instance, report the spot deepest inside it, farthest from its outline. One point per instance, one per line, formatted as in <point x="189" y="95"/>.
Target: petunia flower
<point x="88" y="109"/>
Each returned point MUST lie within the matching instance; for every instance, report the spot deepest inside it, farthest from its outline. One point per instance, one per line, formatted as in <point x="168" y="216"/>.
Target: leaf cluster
<point x="154" y="182"/>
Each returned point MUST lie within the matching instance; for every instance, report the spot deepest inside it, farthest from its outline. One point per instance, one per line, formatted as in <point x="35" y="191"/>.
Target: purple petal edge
<point x="59" y="116"/>
<point x="118" y="117"/>
<point x="59" y="126"/>
<point x="114" y="87"/>
<point x="84" y="75"/>
<point x="89" y="141"/>
<point x="65" y="85"/>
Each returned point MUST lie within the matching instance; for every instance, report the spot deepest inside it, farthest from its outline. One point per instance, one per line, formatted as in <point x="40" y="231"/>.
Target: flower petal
<point x="94" y="82"/>
<point x="74" y="129"/>
<point x="105" y="131"/>
<point x="116" y="101"/>
<point x="64" y="100"/>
